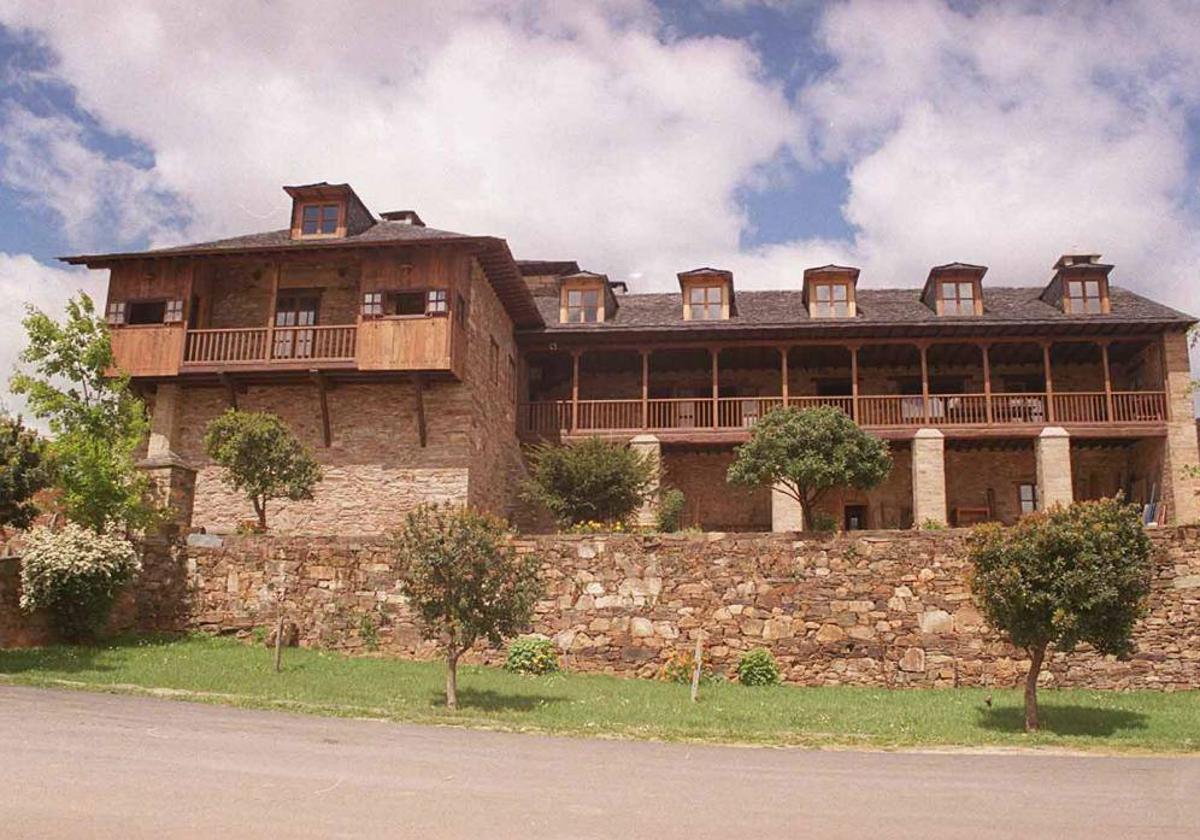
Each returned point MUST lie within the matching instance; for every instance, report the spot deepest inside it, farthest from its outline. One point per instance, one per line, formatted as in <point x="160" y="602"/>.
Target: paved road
<point x="76" y="765"/>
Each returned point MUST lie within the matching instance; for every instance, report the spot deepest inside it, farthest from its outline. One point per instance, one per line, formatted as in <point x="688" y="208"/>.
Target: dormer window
<point x="830" y="300"/>
<point x="585" y="298"/>
<point x="956" y="297"/>
<point x="704" y="303"/>
<point x="319" y="219"/>
<point x="583" y="306"/>
<point x="1084" y="297"/>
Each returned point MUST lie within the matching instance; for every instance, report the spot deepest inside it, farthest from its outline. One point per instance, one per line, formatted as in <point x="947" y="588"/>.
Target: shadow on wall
<point x="1063" y="720"/>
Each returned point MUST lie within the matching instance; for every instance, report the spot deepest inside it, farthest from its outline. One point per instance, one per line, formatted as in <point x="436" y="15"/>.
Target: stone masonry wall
<point x="882" y="609"/>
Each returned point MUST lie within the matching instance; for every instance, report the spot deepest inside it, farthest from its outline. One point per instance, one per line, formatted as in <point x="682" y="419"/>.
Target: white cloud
<point x="26" y="282"/>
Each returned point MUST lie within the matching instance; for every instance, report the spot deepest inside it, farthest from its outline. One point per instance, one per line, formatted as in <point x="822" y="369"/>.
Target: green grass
<point x="227" y="671"/>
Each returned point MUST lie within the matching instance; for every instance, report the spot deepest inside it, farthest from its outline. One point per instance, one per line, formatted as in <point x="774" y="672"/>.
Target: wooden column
<point x="715" y="391"/>
<point x="271" y="305"/>
<point x="575" y="354"/>
<point x="924" y="348"/>
<point x="419" y="394"/>
<point x="987" y="380"/>
<point x="1108" y="395"/>
<point x="645" y="389"/>
<point x="1049" y="382"/>
<point x="322" y="397"/>
<point x="783" y="372"/>
<point x="854" y="382"/>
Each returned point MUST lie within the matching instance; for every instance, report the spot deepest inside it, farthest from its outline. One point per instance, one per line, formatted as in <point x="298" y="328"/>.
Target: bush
<point x="757" y="667"/>
<point x="531" y="655"/>
<point x="670" y="510"/>
<point x="592" y="480"/>
<point x="680" y="667"/>
<point x="75" y="575"/>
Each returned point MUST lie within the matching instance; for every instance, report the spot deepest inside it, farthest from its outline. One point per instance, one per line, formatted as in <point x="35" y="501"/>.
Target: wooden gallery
<point x="416" y="362"/>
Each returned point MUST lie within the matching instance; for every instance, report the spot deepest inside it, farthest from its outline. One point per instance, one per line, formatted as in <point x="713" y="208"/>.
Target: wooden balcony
<point x="1100" y="411"/>
<point x="230" y="349"/>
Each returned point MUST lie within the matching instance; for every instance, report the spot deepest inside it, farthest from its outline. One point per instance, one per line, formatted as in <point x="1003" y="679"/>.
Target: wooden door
<point x="291" y="312"/>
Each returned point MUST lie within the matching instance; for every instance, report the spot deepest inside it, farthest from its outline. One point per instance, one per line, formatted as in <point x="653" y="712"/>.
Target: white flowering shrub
<point x="75" y="574"/>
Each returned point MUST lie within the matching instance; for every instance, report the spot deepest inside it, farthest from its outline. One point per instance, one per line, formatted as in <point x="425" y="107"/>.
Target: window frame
<point x="1021" y="500"/>
<point x="818" y="308"/>
<point x="706" y="305"/>
<point x="373" y="304"/>
<point x="1100" y="298"/>
<point x="115" y="313"/>
<point x="339" y="222"/>
<point x="960" y="303"/>
<point x="566" y="307"/>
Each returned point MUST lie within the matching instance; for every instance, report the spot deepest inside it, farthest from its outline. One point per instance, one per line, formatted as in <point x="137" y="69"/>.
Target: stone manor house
<point x="416" y="363"/>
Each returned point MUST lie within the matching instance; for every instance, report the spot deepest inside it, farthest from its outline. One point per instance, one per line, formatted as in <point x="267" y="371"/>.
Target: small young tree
<point x="23" y="472"/>
<point x="807" y="452"/>
<point x="593" y="480"/>
<point x="463" y="581"/>
<point x="261" y="458"/>
<point x="1074" y="574"/>
<point x="96" y="421"/>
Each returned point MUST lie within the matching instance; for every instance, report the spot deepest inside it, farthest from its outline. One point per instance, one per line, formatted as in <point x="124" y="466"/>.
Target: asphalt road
<point x="89" y="765"/>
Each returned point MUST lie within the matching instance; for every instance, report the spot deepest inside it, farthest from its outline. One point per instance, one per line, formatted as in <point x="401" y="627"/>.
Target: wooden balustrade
<point x="873" y="410"/>
<point x="250" y="345"/>
<point x="327" y="343"/>
<point x="226" y="346"/>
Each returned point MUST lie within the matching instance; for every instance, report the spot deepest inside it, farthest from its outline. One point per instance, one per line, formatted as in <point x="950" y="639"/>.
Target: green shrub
<point x="531" y="655"/>
<point x="757" y="667"/>
<point x="75" y="575"/>
<point x="670" y="510"/>
<point x="823" y="522"/>
<point x="368" y="631"/>
<point x="593" y="480"/>
<point x="932" y="525"/>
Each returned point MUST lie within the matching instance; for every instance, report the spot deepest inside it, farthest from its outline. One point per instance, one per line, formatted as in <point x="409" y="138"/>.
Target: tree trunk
<point x="1036" y="656"/>
<point x="452" y="680"/>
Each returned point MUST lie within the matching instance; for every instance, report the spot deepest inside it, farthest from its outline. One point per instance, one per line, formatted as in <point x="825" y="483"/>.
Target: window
<point x="1027" y="497"/>
<point x="460" y="310"/>
<point x="583" y="306"/>
<point x="830" y="300"/>
<point x="115" y="314"/>
<point x="431" y="302"/>
<point x="174" y="313"/>
<point x="956" y="297"/>
<point x="495" y="361"/>
<point x="705" y="302"/>
<point x="318" y="219"/>
<point x="146" y="312"/>
<point x="372" y="305"/>
<point x="1085" y="297"/>
<point x="437" y="302"/>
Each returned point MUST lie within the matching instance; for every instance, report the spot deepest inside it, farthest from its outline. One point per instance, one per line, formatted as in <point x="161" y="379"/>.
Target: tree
<point x="594" y="480"/>
<point x="464" y="581"/>
<point x="806" y="452"/>
<point x="1070" y="575"/>
<point x="261" y="458"/>
<point x="96" y="422"/>
<point x="23" y="472"/>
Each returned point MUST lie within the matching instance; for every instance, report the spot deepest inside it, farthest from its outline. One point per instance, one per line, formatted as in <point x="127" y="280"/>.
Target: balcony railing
<point x="873" y="411"/>
<point x="263" y="345"/>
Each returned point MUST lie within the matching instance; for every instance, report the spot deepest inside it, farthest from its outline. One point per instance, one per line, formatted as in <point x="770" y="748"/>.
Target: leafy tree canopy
<point x="806" y="452"/>
<point x="96" y="421"/>
<point x="1070" y="575"/>
<point x="261" y="458"/>
<point x="593" y="480"/>
<point x="23" y="472"/>
<point x="464" y="581"/>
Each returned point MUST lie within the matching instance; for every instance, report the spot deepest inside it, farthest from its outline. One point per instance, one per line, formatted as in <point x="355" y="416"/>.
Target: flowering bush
<point x="680" y="666"/>
<point x="591" y="526"/>
<point x="531" y="655"/>
<point x="75" y="574"/>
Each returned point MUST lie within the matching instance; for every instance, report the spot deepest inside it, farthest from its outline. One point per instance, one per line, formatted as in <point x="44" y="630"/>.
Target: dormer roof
<point x="952" y="271"/>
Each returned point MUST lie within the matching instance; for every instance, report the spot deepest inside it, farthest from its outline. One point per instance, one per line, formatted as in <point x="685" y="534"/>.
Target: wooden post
<point x="419" y="394"/>
<point x="322" y="387"/>
<point x="715" y="353"/>
<point x="1049" y="382"/>
<point x="924" y="381"/>
<point x="987" y="380"/>
<point x="696" y="670"/>
<point x="279" y="628"/>
<point x="271" y="306"/>
<point x="645" y="389"/>
<point x="854" y="382"/>
<point x="783" y="371"/>
<point x="1108" y="394"/>
<point x="575" y="354"/>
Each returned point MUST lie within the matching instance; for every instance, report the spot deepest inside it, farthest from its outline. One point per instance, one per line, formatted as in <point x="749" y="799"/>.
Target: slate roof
<point x="877" y="308"/>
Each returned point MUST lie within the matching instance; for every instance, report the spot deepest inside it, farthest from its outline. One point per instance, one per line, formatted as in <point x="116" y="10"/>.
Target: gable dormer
<point x="585" y="298"/>
<point x="707" y="294"/>
<point x="1079" y="285"/>
<point x="955" y="289"/>
<point x="831" y="291"/>
<point x="327" y="211"/>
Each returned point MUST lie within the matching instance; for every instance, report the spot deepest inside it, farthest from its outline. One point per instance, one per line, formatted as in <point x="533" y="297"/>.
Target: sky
<point x="638" y="138"/>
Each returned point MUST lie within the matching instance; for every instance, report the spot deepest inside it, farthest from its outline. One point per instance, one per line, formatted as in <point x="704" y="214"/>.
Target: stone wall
<point x="884" y="609"/>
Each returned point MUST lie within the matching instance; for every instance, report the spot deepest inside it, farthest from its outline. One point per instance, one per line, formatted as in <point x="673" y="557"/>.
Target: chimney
<point x="408" y="217"/>
<point x="1071" y="260"/>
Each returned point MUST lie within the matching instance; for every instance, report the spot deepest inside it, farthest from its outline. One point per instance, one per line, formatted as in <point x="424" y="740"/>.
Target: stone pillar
<point x="164" y="422"/>
<point x="786" y="514"/>
<point x="173" y="478"/>
<point x="1180" y="490"/>
<point x="929" y="477"/>
<point x="648" y="446"/>
<point x="1053" y="453"/>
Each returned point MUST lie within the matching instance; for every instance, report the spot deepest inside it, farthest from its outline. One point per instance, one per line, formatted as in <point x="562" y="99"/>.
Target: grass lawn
<point x="227" y="671"/>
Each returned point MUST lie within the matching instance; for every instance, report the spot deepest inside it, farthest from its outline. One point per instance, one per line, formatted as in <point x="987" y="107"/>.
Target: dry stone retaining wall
<point x="884" y="609"/>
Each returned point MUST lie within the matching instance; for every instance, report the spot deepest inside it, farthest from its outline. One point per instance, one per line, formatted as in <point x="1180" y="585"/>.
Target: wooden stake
<point x="279" y="631"/>
<point x="696" y="670"/>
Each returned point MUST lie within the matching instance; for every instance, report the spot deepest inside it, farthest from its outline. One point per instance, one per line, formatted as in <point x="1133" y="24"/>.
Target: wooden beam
<point x="987" y="380"/>
<point x="1049" y="382"/>
<point x="1108" y="395"/>
<point x="924" y="348"/>
<point x="271" y="307"/>
<point x="322" y="388"/>
<point x="230" y="389"/>
<point x="715" y="353"/>
<point x="645" y="389"/>
<point x="854" y="382"/>
<point x="783" y="371"/>
<point x="419" y="393"/>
